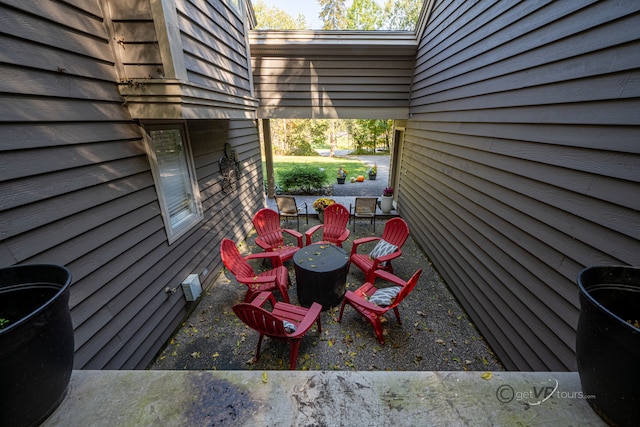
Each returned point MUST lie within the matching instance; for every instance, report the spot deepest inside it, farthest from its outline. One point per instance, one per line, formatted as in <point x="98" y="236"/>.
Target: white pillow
<point x="382" y="248"/>
<point x="383" y="297"/>
<point x="289" y="327"/>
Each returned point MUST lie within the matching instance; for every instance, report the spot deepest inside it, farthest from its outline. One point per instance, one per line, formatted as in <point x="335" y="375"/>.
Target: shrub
<point x="302" y="148"/>
<point x="305" y="179"/>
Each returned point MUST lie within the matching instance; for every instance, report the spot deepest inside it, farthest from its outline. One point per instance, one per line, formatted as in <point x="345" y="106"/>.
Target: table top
<point x="321" y="257"/>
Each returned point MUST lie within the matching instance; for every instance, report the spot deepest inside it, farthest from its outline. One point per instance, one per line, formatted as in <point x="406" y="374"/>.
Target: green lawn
<point x="329" y="164"/>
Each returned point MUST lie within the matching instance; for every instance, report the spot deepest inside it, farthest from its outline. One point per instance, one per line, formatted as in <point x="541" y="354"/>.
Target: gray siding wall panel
<point x="331" y="86"/>
<point x="76" y="186"/>
<point x="215" y="47"/>
<point x="523" y="144"/>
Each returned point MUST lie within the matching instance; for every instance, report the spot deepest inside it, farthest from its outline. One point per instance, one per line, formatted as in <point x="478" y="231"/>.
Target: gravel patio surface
<point x="435" y="335"/>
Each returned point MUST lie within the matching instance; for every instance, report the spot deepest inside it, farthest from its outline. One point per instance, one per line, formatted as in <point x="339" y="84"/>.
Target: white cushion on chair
<point x="382" y="248"/>
<point x="383" y="297"/>
<point x="289" y="327"/>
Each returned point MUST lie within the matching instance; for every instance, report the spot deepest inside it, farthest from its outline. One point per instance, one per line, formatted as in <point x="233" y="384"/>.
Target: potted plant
<point x="373" y="171"/>
<point x="342" y="175"/>
<point x="320" y="205"/>
<point x="386" y="204"/>
<point x="36" y="342"/>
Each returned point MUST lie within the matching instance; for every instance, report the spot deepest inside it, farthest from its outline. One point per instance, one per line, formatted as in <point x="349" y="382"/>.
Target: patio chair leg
<point x="395" y="310"/>
<point x="293" y="354"/>
<point x="344" y="301"/>
<point x="257" y="356"/>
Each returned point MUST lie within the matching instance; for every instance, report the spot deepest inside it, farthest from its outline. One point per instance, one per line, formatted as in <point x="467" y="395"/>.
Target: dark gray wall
<point x="329" y="75"/>
<point x="76" y="187"/>
<point x="521" y="161"/>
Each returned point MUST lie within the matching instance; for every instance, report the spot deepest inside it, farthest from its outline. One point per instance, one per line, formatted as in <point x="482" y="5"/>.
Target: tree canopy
<point x="274" y="18"/>
<point x="300" y="137"/>
<point x="333" y="14"/>
<point x="364" y="15"/>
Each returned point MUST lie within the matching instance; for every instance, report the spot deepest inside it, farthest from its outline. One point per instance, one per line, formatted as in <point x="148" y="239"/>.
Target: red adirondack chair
<point x="272" y="324"/>
<point x="271" y="236"/>
<point x="395" y="234"/>
<point x="276" y="278"/>
<point x="334" y="229"/>
<point x="358" y="299"/>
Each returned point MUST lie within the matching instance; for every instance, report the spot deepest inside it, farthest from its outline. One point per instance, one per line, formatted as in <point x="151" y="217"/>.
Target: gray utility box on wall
<point x="191" y="287"/>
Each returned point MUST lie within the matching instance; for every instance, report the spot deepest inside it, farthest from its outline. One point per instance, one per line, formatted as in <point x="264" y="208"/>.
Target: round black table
<point x="321" y="274"/>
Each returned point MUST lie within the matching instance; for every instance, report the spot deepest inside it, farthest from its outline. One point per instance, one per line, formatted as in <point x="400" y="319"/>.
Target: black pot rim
<point x="586" y="292"/>
<point x="62" y="288"/>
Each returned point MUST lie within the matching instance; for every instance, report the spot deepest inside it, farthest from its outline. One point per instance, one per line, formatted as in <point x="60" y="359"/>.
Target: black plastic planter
<point x="607" y="345"/>
<point x="36" y="342"/>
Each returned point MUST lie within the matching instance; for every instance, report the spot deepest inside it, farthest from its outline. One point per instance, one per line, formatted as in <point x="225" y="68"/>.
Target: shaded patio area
<point x="436" y="334"/>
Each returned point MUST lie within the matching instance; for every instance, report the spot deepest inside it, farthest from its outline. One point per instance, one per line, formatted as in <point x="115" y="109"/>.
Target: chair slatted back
<point x="406" y="289"/>
<point x="336" y="218"/>
<point x="395" y="232"/>
<point x="267" y="224"/>
<point x="233" y="260"/>
<point x="260" y="319"/>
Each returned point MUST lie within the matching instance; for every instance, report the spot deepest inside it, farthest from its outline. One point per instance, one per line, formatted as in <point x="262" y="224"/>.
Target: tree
<point x="318" y="130"/>
<point x="333" y="14"/>
<point x="365" y="15"/>
<point x="402" y="14"/>
<point x="274" y="18"/>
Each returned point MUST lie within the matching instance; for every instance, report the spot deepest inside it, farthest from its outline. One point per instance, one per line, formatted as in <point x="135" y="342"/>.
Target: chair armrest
<point x="390" y="256"/>
<point x="385" y="258"/>
<point x="262" y="298"/>
<point x="312" y="230"/>
<point x="295" y="234"/>
<point x="308" y="321"/>
<point x="358" y="300"/>
<point x="361" y="241"/>
<point x="264" y="245"/>
<point x="256" y="279"/>
<point x="385" y="275"/>
<point x="274" y="257"/>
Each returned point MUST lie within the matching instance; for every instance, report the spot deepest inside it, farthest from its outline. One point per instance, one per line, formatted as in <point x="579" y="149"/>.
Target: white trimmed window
<point x="235" y="4"/>
<point x="174" y="176"/>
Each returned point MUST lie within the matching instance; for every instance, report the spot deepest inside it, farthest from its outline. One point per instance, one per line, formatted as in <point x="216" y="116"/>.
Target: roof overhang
<point x="335" y="43"/>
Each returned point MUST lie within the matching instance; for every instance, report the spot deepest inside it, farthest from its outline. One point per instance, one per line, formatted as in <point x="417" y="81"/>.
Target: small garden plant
<point x="3" y="322"/>
<point x="306" y="179"/>
<point x="322" y="203"/>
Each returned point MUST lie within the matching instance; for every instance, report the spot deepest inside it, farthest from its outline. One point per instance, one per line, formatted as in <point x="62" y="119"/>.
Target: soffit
<point x="332" y="43"/>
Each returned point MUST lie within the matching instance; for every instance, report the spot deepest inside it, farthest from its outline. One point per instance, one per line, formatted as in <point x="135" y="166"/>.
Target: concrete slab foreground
<point x="323" y="398"/>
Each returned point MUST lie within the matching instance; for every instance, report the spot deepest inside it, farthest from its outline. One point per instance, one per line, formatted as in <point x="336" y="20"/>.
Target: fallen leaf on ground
<point x="486" y="376"/>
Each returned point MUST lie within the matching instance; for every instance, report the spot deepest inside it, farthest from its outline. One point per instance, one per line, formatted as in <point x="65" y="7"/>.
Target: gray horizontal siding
<point x="134" y="32"/>
<point x="332" y="86"/>
<point x="226" y="215"/>
<point x="523" y="145"/>
<point x="215" y="48"/>
<point x="182" y="60"/>
<point x="76" y="187"/>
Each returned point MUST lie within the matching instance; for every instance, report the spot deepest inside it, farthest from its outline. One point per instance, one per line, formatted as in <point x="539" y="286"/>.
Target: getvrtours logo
<point x="537" y="395"/>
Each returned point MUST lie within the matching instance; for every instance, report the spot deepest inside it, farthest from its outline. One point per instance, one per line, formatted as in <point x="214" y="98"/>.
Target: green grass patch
<point x="329" y="164"/>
